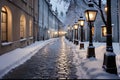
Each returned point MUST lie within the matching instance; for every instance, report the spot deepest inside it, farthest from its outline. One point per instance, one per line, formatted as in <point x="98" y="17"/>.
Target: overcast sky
<point x="60" y="6"/>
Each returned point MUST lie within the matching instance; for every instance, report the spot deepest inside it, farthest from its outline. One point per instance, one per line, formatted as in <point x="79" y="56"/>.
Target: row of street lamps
<point x="109" y="62"/>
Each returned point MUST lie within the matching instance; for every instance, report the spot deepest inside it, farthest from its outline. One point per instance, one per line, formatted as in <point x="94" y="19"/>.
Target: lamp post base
<point x="109" y="63"/>
<point x="91" y="52"/>
<point x="76" y="42"/>
<point x="81" y="45"/>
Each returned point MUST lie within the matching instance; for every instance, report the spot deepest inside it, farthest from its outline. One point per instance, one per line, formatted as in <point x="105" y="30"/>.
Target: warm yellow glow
<point x="81" y="22"/>
<point x="4" y="30"/>
<point x="75" y="26"/>
<point x="93" y="30"/>
<point x="30" y="28"/>
<point x="3" y="9"/>
<point x="6" y="24"/>
<point x="48" y="31"/>
<point x="55" y="32"/>
<point x="106" y="9"/>
<point x="104" y="31"/>
<point x="91" y="15"/>
<point x="22" y="27"/>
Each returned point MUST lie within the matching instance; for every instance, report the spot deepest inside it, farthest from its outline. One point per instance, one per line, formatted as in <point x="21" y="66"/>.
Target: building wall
<point x="115" y="27"/>
<point x="81" y="6"/>
<point x="48" y="20"/>
<point x="16" y="9"/>
<point x="119" y="17"/>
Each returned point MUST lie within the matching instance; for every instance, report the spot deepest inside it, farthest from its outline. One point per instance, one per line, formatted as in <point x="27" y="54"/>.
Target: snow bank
<point x="18" y="56"/>
<point x="92" y="68"/>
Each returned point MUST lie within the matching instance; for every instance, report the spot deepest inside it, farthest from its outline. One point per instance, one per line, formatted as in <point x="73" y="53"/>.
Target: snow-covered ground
<point x="18" y="56"/>
<point x="92" y="68"/>
<point x="86" y="68"/>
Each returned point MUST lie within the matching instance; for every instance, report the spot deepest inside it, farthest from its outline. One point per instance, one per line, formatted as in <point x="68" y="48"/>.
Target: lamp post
<point x="76" y="33"/>
<point x="90" y="17"/>
<point x="68" y="32"/>
<point x="109" y="63"/>
<point x="72" y="33"/>
<point x="81" y="22"/>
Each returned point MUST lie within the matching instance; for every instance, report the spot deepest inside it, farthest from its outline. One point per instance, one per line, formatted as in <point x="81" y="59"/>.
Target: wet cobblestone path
<point x="53" y="61"/>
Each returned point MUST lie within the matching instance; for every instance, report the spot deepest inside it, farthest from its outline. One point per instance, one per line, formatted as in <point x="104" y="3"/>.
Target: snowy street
<point x="61" y="59"/>
<point x="54" y="61"/>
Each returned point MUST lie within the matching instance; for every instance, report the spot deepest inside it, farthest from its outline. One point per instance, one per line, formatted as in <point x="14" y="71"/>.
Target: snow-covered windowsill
<point x="30" y="37"/>
<point x="21" y="40"/>
<point x="6" y="43"/>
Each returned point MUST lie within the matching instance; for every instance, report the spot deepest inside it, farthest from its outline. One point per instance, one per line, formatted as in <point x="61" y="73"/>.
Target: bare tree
<point x="98" y="5"/>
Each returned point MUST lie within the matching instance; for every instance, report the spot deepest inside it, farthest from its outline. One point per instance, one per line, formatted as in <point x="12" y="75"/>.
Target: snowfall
<point x="87" y="68"/>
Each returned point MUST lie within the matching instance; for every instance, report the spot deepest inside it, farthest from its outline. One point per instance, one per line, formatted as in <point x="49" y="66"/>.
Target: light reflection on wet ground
<point x="54" y="61"/>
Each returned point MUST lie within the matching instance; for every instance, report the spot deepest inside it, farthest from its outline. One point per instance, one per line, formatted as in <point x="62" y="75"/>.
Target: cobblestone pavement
<point x="53" y="61"/>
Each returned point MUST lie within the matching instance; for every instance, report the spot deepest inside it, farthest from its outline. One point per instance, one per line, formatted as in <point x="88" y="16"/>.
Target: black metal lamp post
<point x="109" y="63"/>
<point x="81" y="22"/>
<point x="76" y="33"/>
<point x="90" y="17"/>
<point x="72" y="32"/>
<point x="68" y="32"/>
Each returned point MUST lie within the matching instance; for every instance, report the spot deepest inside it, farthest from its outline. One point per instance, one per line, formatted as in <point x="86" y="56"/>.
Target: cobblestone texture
<point x="53" y="61"/>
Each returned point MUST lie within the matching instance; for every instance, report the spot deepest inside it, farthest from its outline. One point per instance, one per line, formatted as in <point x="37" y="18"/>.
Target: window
<point x="30" y="28"/>
<point x="22" y="27"/>
<point x="4" y="30"/>
<point x="104" y="31"/>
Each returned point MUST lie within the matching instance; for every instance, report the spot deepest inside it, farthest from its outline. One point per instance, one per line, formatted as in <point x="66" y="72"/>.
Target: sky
<point x="61" y="7"/>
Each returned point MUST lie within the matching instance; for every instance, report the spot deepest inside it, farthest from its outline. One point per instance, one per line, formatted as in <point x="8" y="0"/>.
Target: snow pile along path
<point x="91" y="68"/>
<point x="18" y="56"/>
<point x="77" y="59"/>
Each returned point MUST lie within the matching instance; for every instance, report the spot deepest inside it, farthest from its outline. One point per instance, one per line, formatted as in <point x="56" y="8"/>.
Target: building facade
<point x="48" y="20"/>
<point x="19" y="23"/>
<point x="99" y="29"/>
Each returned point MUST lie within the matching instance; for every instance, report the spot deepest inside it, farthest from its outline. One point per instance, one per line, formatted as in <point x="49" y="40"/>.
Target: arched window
<point x="4" y="27"/>
<point x="6" y="24"/>
<point x="30" y="28"/>
<point x="22" y="27"/>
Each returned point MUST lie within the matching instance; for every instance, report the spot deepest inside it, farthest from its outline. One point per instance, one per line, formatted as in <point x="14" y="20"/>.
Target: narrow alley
<point x="53" y="61"/>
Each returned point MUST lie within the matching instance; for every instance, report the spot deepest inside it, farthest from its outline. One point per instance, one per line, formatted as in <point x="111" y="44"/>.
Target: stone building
<point x="78" y="7"/>
<point x="100" y="30"/>
<point x="19" y="23"/>
<point x="48" y="20"/>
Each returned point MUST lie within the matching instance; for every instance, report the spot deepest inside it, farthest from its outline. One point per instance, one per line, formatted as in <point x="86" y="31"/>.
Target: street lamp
<point x="76" y="33"/>
<point x="90" y="17"/>
<point x="81" y="22"/>
<point x="72" y="32"/>
<point x="68" y="28"/>
<point x="109" y="63"/>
